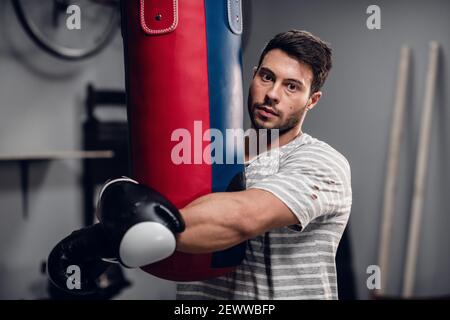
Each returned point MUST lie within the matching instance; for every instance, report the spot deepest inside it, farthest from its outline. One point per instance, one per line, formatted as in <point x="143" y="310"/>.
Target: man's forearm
<point x="213" y="222"/>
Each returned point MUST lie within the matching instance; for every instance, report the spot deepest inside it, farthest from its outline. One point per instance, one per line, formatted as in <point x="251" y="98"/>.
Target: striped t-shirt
<point x="298" y="261"/>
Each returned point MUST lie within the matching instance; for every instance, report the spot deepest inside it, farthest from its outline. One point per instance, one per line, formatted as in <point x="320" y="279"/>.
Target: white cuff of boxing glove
<point x="145" y="243"/>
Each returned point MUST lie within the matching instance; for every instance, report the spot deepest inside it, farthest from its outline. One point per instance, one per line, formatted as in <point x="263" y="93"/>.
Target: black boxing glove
<point x="139" y="222"/>
<point x="83" y="249"/>
<point x="137" y="227"/>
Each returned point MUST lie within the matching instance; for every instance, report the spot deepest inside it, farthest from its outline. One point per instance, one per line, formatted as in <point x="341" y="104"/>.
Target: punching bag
<point x="184" y="82"/>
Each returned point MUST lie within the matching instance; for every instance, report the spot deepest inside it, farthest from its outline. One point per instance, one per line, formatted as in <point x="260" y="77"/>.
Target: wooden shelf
<point x="24" y="160"/>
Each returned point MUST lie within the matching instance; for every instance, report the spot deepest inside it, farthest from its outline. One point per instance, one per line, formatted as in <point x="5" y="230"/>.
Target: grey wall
<point x="41" y="108"/>
<point x="354" y="116"/>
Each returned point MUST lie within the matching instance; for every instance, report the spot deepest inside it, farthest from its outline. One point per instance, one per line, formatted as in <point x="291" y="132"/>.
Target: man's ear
<point x="315" y="97"/>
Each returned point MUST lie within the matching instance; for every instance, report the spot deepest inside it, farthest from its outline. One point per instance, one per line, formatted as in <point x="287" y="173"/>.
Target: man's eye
<point x="292" y="87"/>
<point x="266" y="77"/>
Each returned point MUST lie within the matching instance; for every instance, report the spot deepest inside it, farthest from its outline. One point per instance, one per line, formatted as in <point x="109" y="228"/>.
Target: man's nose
<point x="274" y="93"/>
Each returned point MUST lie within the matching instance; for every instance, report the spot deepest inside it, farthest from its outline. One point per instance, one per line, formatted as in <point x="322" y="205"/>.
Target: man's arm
<point x="221" y="220"/>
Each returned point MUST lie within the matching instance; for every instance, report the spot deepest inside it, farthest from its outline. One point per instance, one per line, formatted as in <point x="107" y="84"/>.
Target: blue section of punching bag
<point x="223" y="29"/>
<point x="225" y="86"/>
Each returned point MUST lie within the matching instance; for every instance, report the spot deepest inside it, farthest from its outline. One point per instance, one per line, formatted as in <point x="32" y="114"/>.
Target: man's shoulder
<point x="318" y="151"/>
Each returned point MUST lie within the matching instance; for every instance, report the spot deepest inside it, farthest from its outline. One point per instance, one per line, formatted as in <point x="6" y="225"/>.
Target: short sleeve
<point x="311" y="182"/>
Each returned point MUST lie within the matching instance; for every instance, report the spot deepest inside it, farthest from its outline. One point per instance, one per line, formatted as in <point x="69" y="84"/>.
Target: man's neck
<point x="289" y="136"/>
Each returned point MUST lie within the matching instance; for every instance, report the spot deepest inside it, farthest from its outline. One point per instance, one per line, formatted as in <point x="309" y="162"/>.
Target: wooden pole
<point x="390" y="186"/>
<point x="420" y="175"/>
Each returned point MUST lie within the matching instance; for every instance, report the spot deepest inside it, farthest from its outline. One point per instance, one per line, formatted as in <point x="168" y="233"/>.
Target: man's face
<point x="279" y="92"/>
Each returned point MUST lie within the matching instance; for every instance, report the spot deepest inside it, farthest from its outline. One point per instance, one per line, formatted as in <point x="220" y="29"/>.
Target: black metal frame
<point x="103" y="135"/>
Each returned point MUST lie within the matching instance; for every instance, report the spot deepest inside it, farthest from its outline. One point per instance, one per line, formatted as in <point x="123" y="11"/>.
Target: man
<point x="295" y="209"/>
<point x="293" y="212"/>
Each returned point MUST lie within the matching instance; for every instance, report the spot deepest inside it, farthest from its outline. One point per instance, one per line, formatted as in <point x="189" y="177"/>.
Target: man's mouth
<point x="265" y="111"/>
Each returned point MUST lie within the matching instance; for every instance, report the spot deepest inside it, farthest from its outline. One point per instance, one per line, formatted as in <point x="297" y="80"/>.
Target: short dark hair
<point x="304" y="47"/>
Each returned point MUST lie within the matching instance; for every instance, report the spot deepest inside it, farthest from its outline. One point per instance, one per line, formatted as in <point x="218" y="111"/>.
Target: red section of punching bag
<point x="167" y="89"/>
